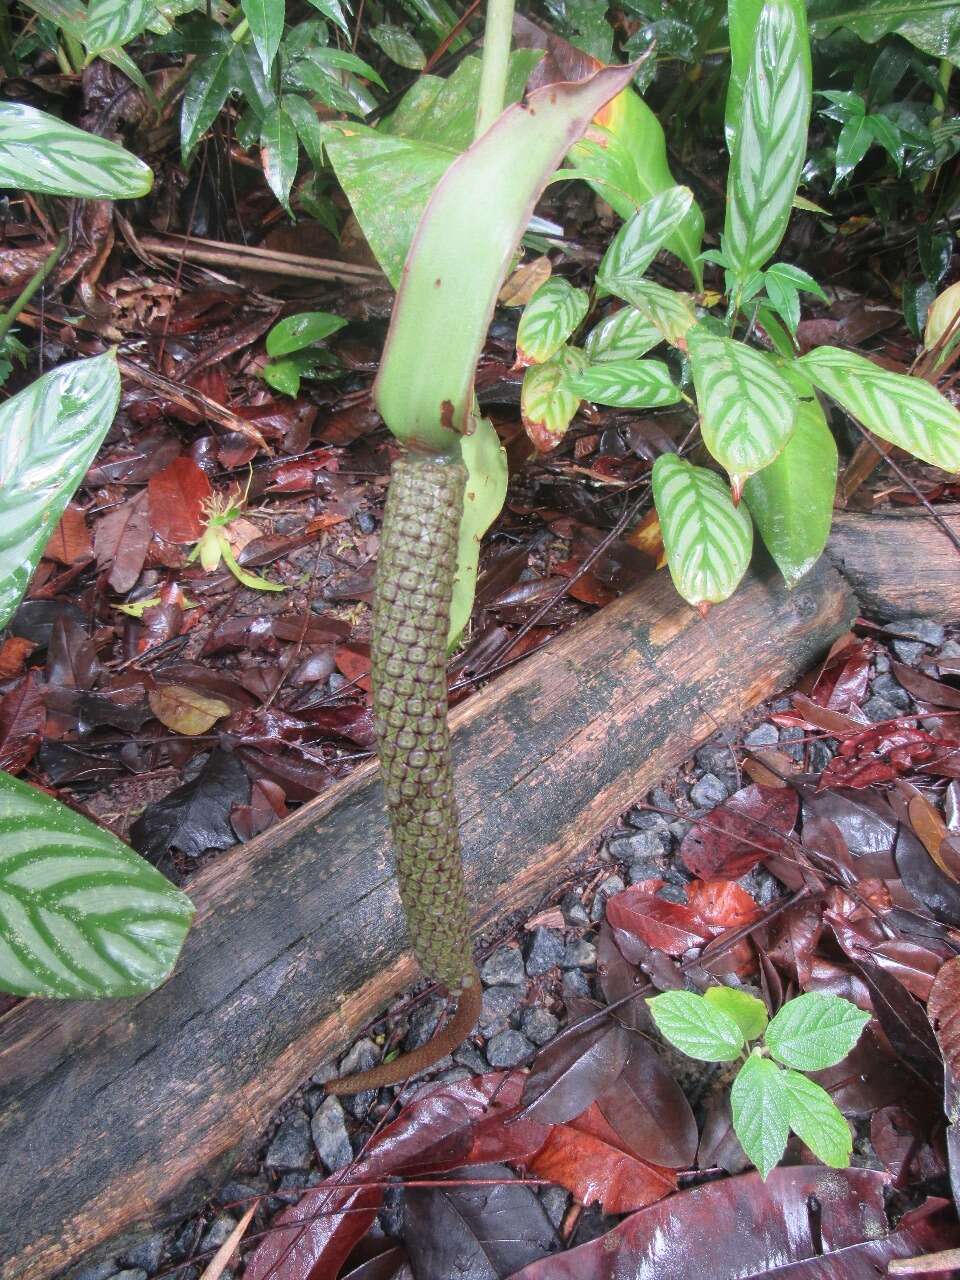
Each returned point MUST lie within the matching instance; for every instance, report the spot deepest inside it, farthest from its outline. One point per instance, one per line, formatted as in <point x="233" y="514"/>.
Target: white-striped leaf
<point x="706" y="538"/>
<point x="111" y="23"/>
<point x="641" y="238"/>
<point x="548" y="320"/>
<point x="670" y="312"/>
<point x="771" y="138"/>
<point x="626" y="335"/>
<point x="49" y="434"/>
<point x="791" y="500"/>
<point x="908" y="412"/>
<point x="81" y="916"/>
<point x="546" y="405"/>
<point x="747" y="408"/>
<point x="626" y="384"/>
<point x="38" y="152"/>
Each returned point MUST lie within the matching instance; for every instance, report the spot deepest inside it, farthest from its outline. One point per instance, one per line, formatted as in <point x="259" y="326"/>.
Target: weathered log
<point x="114" y="1117"/>
<point x="899" y="563"/>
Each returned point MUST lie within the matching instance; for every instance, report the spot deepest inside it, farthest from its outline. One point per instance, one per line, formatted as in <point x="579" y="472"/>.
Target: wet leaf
<point x="904" y="1024"/>
<point x="548" y="320"/>
<point x="649" y="1112"/>
<point x="925" y="881"/>
<point x="184" y="710"/>
<point x="574" y="1070"/>
<point x="39" y="152"/>
<point x="641" y="238"/>
<point x="196" y="816"/>
<point x="815" y="1031"/>
<point x="293" y="333"/>
<point x="22" y="720"/>
<point x="735" y="836"/>
<point x="816" y="1120"/>
<point x="669" y="926"/>
<point x="121" y="539"/>
<point x="749" y="1013"/>
<point x="624" y="335"/>
<point x="70" y="543"/>
<point x="178" y="495"/>
<point x="943" y="1010"/>
<point x="627" y="384"/>
<point x="695" y="1027"/>
<point x="758" y="1103"/>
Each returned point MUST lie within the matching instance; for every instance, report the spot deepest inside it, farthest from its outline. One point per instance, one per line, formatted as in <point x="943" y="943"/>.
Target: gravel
<point x="539" y="1025"/>
<point x="579" y="954"/>
<point x="505" y="965"/>
<point x="218" y="1232"/>
<point x="146" y="1255"/>
<point x="362" y="1055"/>
<point x="509" y="1049"/>
<point x="499" y="1006"/>
<point x="576" y="983"/>
<point x="709" y="791"/>
<point x="574" y="912"/>
<point x="330" y="1137"/>
<point x="544" y="951"/>
<point x="290" y="1147"/>
<point x="764" y="735"/>
<point x="924" y="630"/>
<point x="606" y="889"/>
<point x="423" y="1023"/>
<point x="877" y="709"/>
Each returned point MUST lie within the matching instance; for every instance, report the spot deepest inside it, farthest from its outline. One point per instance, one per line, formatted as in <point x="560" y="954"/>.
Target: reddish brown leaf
<point x="583" y="1062"/>
<point x="121" y="539"/>
<point x="943" y="1010"/>
<point x="904" y="1145"/>
<point x="22" y="720"/>
<point x="585" y="1157"/>
<point x="669" y="926"/>
<point x="929" y="827"/>
<point x="649" y="1112"/>
<point x="844" y="678"/>
<point x="353" y="660"/>
<point x="13" y="654"/>
<point x="267" y="806"/>
<point x="70" y="542"/>
<point x="177" y="498"/>
<point x="818" y="717"/>
<point x="741" y="832"/>
<point x="924" y="689"/>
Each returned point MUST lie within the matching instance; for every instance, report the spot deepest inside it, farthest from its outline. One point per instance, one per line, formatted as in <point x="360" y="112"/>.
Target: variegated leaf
<point x="748" y="410"/>
<point x="707" y="539"/>
<point x="791" y="500"/>
<point x="670" y="312"/>
<point x="908" y="412"/>
<point x="625" y="335"/>
<point x="49" y="433"/>
<point x="548" y="320"/>
<point x="626" y="384"/>
<point x="771" y="138"/>
<point x="81" y="915"/>
<point x="38" y="152"/>
<point x="111" y="23"/>
<point x="641" y="238"/>
<point x="546" y="405"/>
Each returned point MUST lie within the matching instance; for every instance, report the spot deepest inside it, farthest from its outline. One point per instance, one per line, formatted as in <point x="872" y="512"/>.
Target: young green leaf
<point x="293" y="333"/>
<point x="548" y="320"/>
<point x="908" y="412"/>
<point x="759" y="1106"/>
<point x="279" y="152"/>
<point x="771" y="138"/>
<point x="266" y="19"/>
<point x="670" y="312"/>
<point x="856" y="138"/>
<point x="625" y="335"/>
<point x="791" y="500"/>
<point x="816" y="1120"/>
<point x="707" y="539"/>
<point x="399" y="46"/>
<point x="487" y="473"/>
<point x="81" y="915"/>
<point x="696" y="1028"/>
<point x="749" y="1013"/>
<point x="748" y="410"/>
<point x="640" y="239"/>
<point x="626" y="384"/>
<point x="547" y="406"/>
<point x="38" y="152"/>
<point x="815" y="1031"/>
<point x="49" y="434"/>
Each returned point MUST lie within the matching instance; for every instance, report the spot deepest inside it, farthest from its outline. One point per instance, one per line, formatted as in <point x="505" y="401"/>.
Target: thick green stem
<point x="496" y="63"/>
<point x="30" y="288"/>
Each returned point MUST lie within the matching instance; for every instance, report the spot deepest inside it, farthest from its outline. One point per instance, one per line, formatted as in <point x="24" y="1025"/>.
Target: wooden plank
<point x="899" y="563"/>
<point x="117" y="1116"/>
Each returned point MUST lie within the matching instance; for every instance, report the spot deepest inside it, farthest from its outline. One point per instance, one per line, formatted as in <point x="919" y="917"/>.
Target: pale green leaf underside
<point x="627" y="384"/>
<point x="38" y="152"/>
<point x="816" y="1120"/>
<point x="49" y="434"/>
<point x="815" y="1031"/>
<point x="642" y="237"/>
<point x="759" y="1106"/>
<point x="707" y="539"/>
<point x="625" y="335"/>
<point x="695" y="1027"/>
<point x="548" y="320"/>
<point x="81" y="915"/>
<point x="908" y="412"/>
<point x="748" y="410"/>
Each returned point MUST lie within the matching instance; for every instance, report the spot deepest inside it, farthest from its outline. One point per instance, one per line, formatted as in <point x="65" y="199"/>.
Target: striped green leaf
<point x="640" y="239"/>
<point x="625" y="335"/>
<point x="671" y="313"/>
<point x="748" y="410"/>
<point x="49" y="434"/>
<point x="546" y="405"/>
<point x="81" y="915"/>
<point x="548" y="320"/>
<point x="38" y="152"/>
<point x="771" y="138"/>
<point x="908" y="412"/>
<point x="791" y="500"/>
<point x="111" y="23"/>
<point x="707" y="539"/>
<point x="266" y="18"/>
<point x="626" y="384"/>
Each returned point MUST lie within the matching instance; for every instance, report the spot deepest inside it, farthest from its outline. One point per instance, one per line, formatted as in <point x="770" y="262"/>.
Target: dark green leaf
<point x="854" y="142"/>
<point x="932" y="25"/>
<point x="266" y="19"/>
<point x="279" y="152"/>
<point x="207" y="88"/>
<point x="308" y="127"/>
<point x="399" y="46"/>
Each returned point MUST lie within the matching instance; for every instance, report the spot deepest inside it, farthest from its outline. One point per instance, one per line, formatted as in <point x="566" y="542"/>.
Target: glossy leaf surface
<point x="547" y="405"/>
<point x="266" y="18"/>
<point x="748" y="410"/>
<point x="295" y="332"/>
<point x="111" y="23"/>
<point x="749" y="1013"/>
<point x="670" y="312"/>
<point x="399" y="46"/>
<point x="907" y="411"/>
<point x="932" y="25"/>
<point x="49" y="434"/>
<point x="38" y="152"/>
<point x="548" y="320"/>
<point x="642" y="237"/>
<point x="625" y="335"/>
<point x="791" y="499"/>
<point x="461" y="253"/>
<point x="210" y="81"/>
<point x="771" y="138"/>
<point x="759" y="1106"/>
<point x="707" y="539"/>
<point x="279" y="152"/>
<point x="627" y="384"/>
<point x="81" y="915"/>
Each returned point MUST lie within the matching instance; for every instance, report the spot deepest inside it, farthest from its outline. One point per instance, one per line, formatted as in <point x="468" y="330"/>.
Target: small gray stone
<point x="289" y="1189"/>
<point x="361" y="1056"/>
<point x="606" y="889"/>
<point x="543" y="951"/>
<point x="499" y="1006"/>
<point x="887" y="687"/>
<point x="574" y="912"/>
<point x="133" y="1273"/>
<point x="679" y="829"/>
<point x="661" y="797"/>
<point x="471" y="1058"/>
<point x="949" y="649"/>
<point x="508" y="1049"/>
<point x="579" y="954"/>
<point x="218" y="1232"/>
<point x="92" y="1271"/>
<point x="555" y="1201"/>
<point x="924" y="630"/>
<point x="909" y="651"/>
<point x="146" y="1255"/>
<point x="648" y="819"/>
<point x="423" y="1023"/>
<point x="575" y="983"/>
<point x="792" y="743"/>
<point x="327" y="1072"/>
<point x="878" y="709"/>
<point x="764" y="735"/>
<point x="539" y="1025"/>
<point x="366" y="522"/>
<point x="240" y="1194"/>
<point x="505" y="965"/>
<point x="290" y="1147"/>
<point x="672" y="892"/>
<point x="709" y="791"/>
<point x="820" y="752"/>
<point x="330" y="1137"/>
<point x="452" y="1073"/>
<point x="881" y="663"/>
<point x="336" y="682"/>
<point x="650" y="869"/>
<point x="655" y="842"/>
<point x="714" y="757"/>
